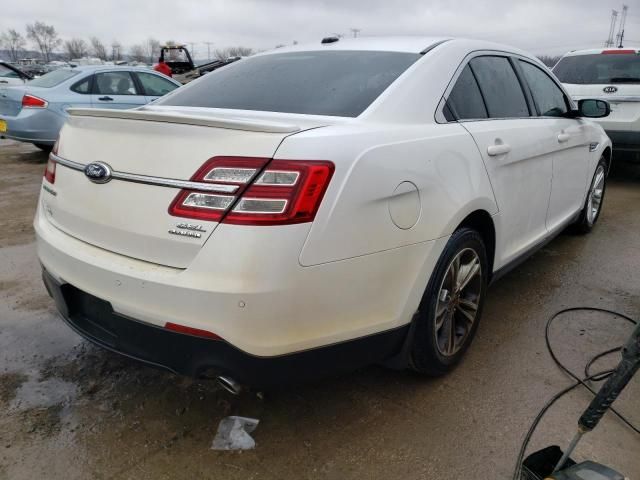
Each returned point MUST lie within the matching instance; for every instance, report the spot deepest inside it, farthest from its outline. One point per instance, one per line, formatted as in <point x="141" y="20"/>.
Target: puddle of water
<point x="42" y="394"/>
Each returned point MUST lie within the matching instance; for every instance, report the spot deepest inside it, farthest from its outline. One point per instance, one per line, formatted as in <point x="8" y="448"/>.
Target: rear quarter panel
<point x="441" y="161"/>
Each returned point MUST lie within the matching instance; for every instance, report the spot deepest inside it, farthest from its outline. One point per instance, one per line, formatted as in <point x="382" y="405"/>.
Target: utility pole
<point x="623" y="20"/>
<point x="208" y="44"/>
<point x="612" y="29"/>
<point x="355" y="32"/>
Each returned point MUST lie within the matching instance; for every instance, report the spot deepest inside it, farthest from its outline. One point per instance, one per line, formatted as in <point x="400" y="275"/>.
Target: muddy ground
<point x="69" y="410"/>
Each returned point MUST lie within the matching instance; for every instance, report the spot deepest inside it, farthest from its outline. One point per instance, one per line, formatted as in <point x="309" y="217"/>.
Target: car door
<point x="570" y="162"/>
<point x="154" y="86"/>
<point x="514" y="146"/>
<point x="116" y="89"/>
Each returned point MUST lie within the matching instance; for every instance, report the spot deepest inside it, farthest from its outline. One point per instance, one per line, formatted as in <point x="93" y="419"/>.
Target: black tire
<point x="426" y="349"/>
<point x="585" y="222"/>
<point x="43" y="147"/>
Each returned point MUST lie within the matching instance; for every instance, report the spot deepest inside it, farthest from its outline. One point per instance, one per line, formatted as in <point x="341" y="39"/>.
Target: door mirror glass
<point x="592" y="108"/>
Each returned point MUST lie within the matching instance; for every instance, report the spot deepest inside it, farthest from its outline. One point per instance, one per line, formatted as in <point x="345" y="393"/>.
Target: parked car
<point x="11" y="75"/>
<point x="315" y="208"/>
<point x="35" y="112"/>
<point x="612" y="74"/>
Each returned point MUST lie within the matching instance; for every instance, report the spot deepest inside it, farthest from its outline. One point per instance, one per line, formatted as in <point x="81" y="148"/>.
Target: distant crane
<point x="623" y="20"/>
<point x="355" y="32"/>
<point x="612" y="29"/>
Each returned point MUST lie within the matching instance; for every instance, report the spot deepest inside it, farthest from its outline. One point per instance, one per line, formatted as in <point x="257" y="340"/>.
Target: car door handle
<point x="500" y="149"/>
<point x="4" y="81"/>
<point x="105" y="99"/>
<point x="563" y="137"/>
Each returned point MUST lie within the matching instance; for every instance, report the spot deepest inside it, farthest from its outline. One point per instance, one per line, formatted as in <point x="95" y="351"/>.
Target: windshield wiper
<point x="624" y="79"/>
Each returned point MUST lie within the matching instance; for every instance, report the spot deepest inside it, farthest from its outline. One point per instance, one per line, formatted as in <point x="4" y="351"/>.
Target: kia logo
<point x="98" y="172"/>
<point x="610" y="89"/>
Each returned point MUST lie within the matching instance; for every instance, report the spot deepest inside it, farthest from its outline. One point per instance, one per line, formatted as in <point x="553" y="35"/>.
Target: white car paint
<point x="623" y="124"/>
<point x="403" y="182"/>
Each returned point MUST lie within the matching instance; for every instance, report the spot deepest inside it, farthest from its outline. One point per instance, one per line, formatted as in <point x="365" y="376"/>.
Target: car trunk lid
<point x="148" y="150"/>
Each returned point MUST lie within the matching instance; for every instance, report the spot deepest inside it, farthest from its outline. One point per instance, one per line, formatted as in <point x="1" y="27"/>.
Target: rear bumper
<point x="34" y="125"/>
<point x="95" y="320"/>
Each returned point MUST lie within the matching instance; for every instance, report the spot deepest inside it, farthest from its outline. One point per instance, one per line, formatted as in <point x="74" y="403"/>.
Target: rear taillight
<point x="284" y="192"/>
<point x="50" y="171"/>
<point x="29" y="101"/>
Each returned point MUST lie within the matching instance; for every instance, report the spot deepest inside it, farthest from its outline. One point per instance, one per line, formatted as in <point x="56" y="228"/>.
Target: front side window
<point x="155" y="85"/>
<point x="465" y="100"/>
<point x="338" y="83"/>
<point x="500" y="87"/>
<point x="115" y="83"/>
<point x="599" y="68"/>
<point x="547" y="95"/>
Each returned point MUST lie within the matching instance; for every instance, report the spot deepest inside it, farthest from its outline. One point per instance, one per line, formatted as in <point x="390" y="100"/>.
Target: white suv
<point x="612" y="74"/>
<point x="315" y="208"/>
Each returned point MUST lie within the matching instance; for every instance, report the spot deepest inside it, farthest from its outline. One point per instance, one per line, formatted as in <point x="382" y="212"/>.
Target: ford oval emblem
<point x="98" y="172"/>
<point x="610" y="89"/>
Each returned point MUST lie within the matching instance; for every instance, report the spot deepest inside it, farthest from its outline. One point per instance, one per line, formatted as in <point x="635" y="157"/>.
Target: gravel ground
<point x="72" y="411"/>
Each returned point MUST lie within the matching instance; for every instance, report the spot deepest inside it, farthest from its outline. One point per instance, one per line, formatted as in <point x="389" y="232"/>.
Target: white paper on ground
<point x="233" y="434"/>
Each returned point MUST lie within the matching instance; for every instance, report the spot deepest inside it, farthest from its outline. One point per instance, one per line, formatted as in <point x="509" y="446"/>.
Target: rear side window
<point x="83" y="86"/>
<point x="114" y="83"/>
<point x="465" y="100"/>
<point x="337" y="83"/>
<point x="500" y="87"/>
<point x="599" y="68"/>
<point x="54" y="78"/>
<point x="547" y="95"/>
<point x="155" y="85"/>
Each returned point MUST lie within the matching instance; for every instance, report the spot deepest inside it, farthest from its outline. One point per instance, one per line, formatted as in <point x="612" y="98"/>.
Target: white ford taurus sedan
<point x="316" y="208"/>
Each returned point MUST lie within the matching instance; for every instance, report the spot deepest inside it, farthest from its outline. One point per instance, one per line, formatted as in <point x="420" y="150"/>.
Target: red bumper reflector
<point x="196" y="332"/>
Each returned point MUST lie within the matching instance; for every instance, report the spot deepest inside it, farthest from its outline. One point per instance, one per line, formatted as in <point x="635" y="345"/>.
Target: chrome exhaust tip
<point x="230" y="385"/>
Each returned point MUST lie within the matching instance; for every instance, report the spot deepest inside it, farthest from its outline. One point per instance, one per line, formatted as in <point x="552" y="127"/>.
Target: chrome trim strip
<point x="148" y="180"/>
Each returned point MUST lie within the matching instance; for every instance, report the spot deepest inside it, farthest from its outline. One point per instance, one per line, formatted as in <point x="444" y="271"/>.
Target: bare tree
<point x="76" y="48"/>
<point x="98" y="49"/>
<point x="116" y="51"/>
<point x="45" y="37"/>
<point x="14" y="42"/>
<point x="137" y="53"/>
<point x="152" y="49"/>
<point x="223" y="53"/>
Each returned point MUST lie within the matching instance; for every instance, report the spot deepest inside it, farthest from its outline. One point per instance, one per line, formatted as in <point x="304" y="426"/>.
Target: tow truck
<point x="183" y="68"/>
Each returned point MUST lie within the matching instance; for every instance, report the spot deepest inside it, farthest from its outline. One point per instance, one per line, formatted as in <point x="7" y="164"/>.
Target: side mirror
<point x="592" y="108"/>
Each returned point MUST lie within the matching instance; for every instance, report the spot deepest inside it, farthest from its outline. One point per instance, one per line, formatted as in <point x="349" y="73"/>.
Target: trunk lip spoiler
<point x="200" y="120"/>
<point x="150" y="180"/>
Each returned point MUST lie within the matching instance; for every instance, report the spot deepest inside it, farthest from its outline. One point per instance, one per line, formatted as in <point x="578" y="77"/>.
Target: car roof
<point x="95" y="68"/>
<point x="597" y="51"/>
<point x="408" y="44"/>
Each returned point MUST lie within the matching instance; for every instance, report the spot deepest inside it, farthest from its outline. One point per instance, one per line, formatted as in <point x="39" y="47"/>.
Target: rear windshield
<point x="599" y="68"/>
<point x="54" y="78"/>
<point x="337" y="83"/>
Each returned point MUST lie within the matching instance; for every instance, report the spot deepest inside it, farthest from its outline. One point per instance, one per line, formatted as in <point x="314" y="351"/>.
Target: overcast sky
<point x="540" y="26"/>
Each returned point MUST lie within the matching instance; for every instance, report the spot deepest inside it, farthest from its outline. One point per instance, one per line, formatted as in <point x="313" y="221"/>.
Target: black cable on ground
<point x="578" y="381"/>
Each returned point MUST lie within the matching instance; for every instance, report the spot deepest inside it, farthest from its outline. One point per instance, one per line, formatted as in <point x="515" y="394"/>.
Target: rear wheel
<point x="451" y="307"/>
<point x="44" y="147"/>
<point x="595" y="197"/>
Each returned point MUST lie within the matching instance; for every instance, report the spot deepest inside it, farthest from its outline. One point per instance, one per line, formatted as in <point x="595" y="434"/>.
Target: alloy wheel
<point x="458" y="301"/>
